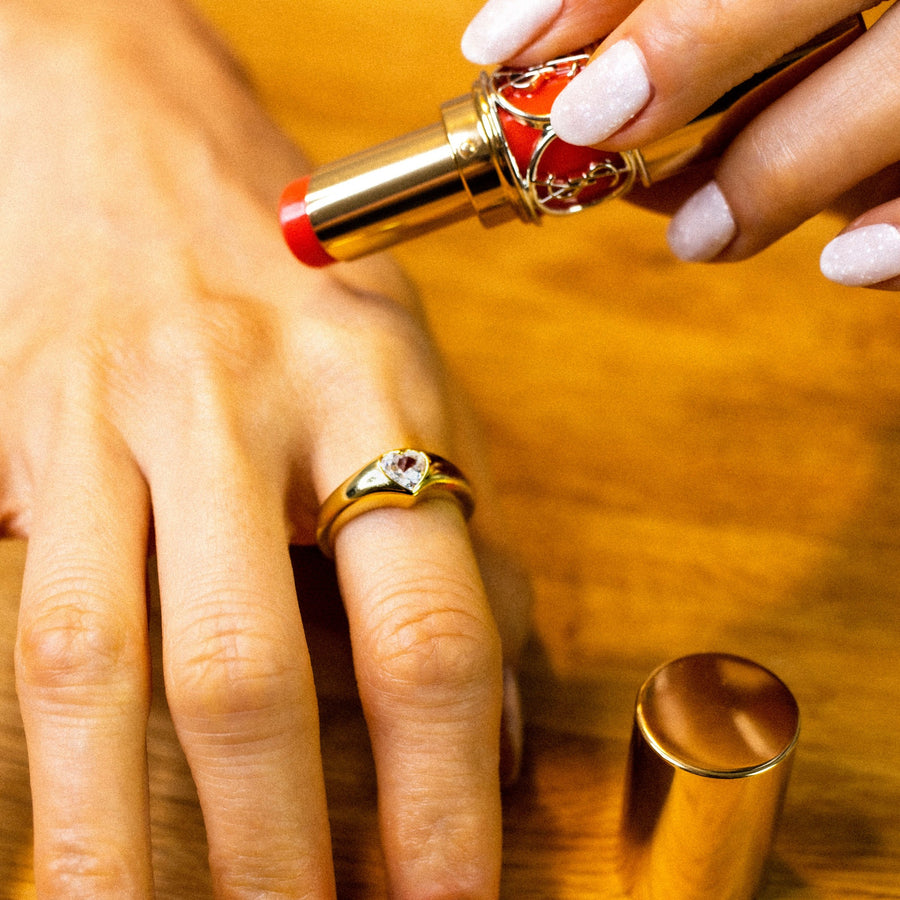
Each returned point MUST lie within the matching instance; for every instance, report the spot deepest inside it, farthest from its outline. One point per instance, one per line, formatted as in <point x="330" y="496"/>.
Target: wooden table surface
<point x="691" y="458"/>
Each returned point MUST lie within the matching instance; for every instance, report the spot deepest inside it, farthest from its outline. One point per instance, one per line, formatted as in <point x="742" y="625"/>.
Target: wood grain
<point x="690" y="458"/>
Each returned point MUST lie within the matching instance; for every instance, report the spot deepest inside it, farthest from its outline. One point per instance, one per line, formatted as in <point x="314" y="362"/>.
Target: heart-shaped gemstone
<point x="405" y="467"/>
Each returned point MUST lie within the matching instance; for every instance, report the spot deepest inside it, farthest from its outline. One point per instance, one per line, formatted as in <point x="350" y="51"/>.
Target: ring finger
<point x="428" y="663"/>
<point x="833" y="131"/>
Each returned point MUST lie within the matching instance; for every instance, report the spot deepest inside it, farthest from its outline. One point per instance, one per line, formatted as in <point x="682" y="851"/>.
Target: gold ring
<point x="397" y="478"/>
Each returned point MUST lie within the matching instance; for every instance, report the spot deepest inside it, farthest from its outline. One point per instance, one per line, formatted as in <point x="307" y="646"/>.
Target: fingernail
<point x="511" y="730"/>
<point x="503" y="27"/>
<point x="703" y="227"/>
<point x="866" y="255"/>
<point x="605" y="95"/>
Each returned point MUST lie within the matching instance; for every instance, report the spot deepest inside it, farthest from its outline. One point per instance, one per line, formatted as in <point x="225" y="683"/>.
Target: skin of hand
<point x="169" y="375"/>
<point x="831" y="142"/>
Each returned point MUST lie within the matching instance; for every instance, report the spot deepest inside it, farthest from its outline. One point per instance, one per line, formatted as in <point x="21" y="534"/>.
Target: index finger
<point x="428" y="663"/>
<point x="669" y="61"/>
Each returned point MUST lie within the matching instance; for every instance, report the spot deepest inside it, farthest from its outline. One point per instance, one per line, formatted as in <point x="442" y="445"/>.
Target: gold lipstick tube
<point x="408" y="186"/>
<point x="494" y="155"/>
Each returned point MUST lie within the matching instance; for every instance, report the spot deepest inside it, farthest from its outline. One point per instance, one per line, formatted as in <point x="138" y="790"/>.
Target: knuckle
<point x="76" y="639"/>
<point x="196" y="357"/>
<point x="444" y="650"/>
<point x="178" y="350"/>
<point x="85" y="868"/>
<point x="241" y="879"/>
<point x="200" y="345"/>
<point x="718" y="24"/>
<point x="711" y="33"/>
<point x="771" y="176"/>
<point x="223" y="668"/>
<point x="380" y="360"/>
<point x="372" y="339"/>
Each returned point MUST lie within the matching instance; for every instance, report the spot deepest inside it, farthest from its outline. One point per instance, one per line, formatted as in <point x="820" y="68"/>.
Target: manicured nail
<point x="703" y="227"/>
<point x="503" y="27"/>
<point x="866" y="255"/>
<point x="605" y="95"/>
<point x="511" y="728"/>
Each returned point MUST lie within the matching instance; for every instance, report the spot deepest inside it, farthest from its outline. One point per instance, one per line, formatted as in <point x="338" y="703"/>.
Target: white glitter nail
<point x="609" y="92"/>
<point x="503" y="27"/>
<point x="866" y="255"/>
<point x="703" y="227"/>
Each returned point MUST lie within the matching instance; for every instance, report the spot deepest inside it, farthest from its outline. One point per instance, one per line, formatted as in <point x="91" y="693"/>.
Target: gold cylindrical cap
<point x="710" y="757"/>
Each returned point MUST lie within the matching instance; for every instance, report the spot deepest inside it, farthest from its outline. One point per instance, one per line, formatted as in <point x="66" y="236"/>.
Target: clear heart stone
<point x="405" y="467"/>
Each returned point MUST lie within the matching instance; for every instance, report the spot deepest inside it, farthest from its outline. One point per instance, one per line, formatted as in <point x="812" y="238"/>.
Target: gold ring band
<point x="397" y="478"/>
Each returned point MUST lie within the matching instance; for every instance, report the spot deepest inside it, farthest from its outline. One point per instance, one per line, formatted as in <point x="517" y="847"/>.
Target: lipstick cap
<point x="710" y="757"/>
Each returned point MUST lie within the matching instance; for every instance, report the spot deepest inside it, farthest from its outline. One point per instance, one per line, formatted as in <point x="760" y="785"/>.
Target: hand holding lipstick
<point x="830" y="142"/>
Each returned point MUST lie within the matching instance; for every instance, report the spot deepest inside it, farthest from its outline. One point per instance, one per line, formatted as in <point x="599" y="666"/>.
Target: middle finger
<point x="238" y="675"/>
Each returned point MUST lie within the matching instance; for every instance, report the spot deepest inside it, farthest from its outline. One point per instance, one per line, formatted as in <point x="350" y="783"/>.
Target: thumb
<point x="533" y="31"/>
